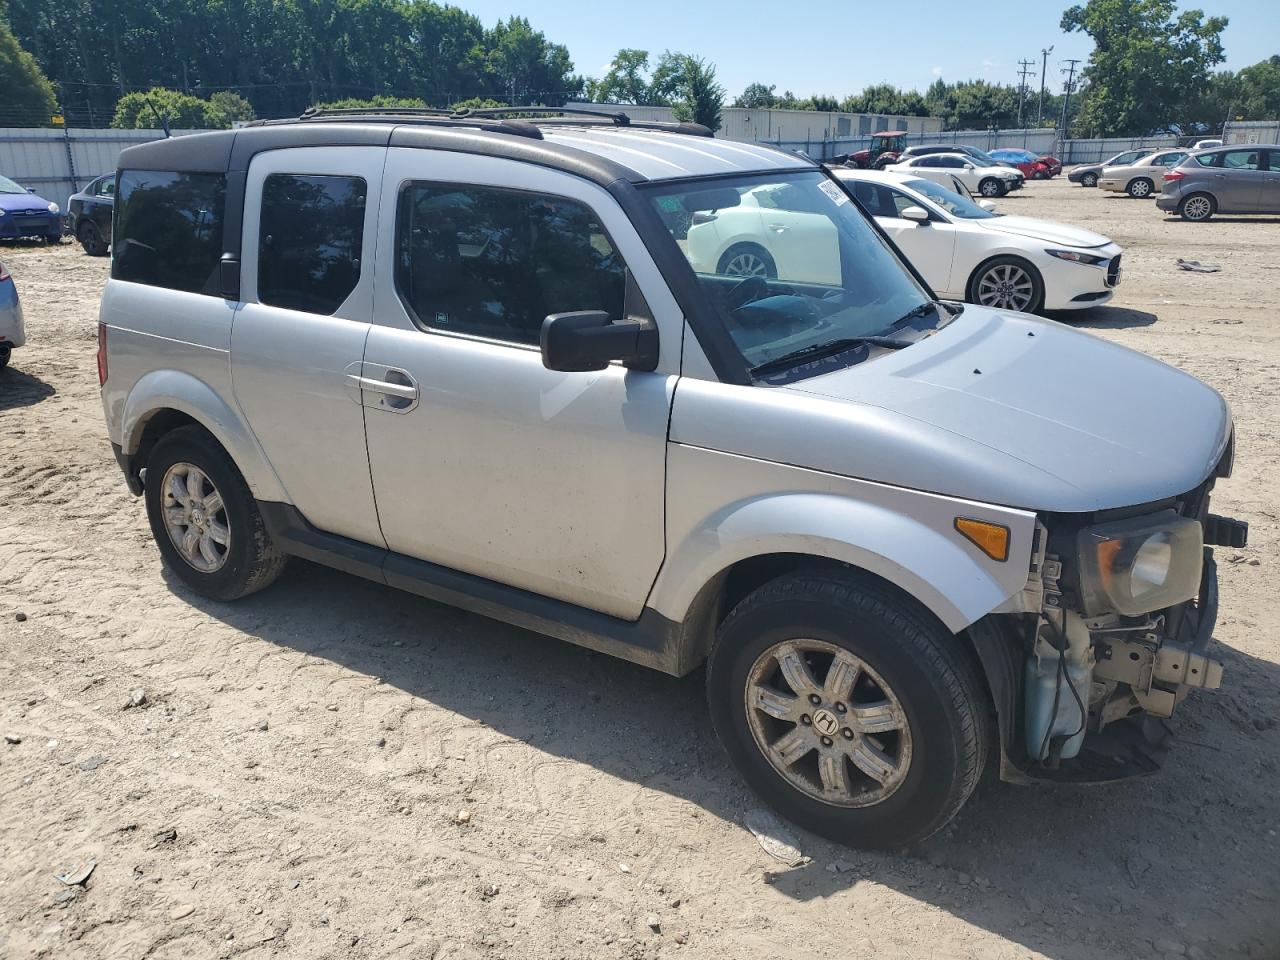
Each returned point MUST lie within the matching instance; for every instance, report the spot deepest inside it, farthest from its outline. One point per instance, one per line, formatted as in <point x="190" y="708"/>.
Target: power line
<point x="1026" y="66"/>
<point x="1044" y="69"/>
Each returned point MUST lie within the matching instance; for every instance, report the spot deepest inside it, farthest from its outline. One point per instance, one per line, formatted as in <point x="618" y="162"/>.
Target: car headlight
<point x="53" y="208"/>
<point x="1076" y="257"/>
<point x="1140" y="565"/>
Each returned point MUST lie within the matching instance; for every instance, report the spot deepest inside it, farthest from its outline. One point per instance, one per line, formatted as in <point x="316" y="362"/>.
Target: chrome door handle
<point x="406" y="391"/>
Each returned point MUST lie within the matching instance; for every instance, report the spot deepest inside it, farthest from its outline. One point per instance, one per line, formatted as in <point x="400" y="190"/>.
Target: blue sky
<point x="841" y="47"/>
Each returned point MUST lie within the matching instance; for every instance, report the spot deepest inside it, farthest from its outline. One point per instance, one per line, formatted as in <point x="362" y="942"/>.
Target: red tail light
<point x="1175" y="175"/>
<point x="102" y="353"/>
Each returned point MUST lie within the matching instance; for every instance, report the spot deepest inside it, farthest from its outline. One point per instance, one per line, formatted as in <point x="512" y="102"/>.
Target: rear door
<point x="310" y="228"/>
<point x="1237" y="181"/>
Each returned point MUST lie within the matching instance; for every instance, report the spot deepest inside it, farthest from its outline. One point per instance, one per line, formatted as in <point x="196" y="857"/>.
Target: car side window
<point x="494" y="263"/>
<point x="929" y="160"/>
<point x="1207" y="159"/>
<point x="106" y="187"/>
<point x="309" y="241"/>
<point x="897" y="202"/>
<point x="168" y="230"/>
<point x="1241" y="160"/>
<point x="1169" y="159"/>
<point x="951" y="162"/>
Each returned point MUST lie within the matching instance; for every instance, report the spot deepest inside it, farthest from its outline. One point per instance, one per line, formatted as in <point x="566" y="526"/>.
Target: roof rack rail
<point x="506" y="120"/>
<point x="578" y="115"/>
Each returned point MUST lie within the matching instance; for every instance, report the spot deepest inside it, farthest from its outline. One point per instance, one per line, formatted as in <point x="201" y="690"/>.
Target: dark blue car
<point x="24" y="214"/>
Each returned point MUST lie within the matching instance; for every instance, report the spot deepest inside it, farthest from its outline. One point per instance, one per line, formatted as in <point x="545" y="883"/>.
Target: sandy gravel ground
<point x="333" y="769"/>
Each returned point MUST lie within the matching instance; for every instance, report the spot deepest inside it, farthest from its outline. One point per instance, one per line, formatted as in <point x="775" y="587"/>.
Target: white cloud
<point x="988" y="65"/>
<point x="936" y="71"/>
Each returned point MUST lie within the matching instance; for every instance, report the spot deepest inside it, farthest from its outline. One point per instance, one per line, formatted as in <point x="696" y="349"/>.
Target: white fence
<point x="1252" y="131"/>
<point x="57" y="163"/>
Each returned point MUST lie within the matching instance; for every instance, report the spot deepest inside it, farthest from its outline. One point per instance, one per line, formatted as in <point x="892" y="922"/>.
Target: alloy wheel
<point x="746" y="264"/>
<point x="842" y="739"/>
<point x="1006" y="286"/>
<point x="195" y="517"/>
<point x="1197" y="208"/>
<point x="1139" y="188"/>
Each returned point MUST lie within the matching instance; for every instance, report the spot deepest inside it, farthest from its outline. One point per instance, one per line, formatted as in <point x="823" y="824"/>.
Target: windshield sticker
<point x="834" y="192"/>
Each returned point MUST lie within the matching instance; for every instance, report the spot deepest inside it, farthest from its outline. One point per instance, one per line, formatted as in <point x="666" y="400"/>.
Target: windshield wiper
<point x="828" y="348"/>
<point x="926" y="308"/>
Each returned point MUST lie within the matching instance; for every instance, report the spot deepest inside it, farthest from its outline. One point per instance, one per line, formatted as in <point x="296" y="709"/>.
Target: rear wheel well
<point x="158" y="424"/>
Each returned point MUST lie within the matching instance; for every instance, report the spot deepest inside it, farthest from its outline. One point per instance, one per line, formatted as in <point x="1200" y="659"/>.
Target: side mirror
<point x="968" y="166"/>
<point x="588" y="340"/>
<point x="31" y="189"/>
<point x="986" y="205"/>
<point x="918" y="214"/>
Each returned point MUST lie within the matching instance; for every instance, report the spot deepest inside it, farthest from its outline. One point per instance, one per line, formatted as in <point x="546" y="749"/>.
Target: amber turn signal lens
<point x="991" y="538"/>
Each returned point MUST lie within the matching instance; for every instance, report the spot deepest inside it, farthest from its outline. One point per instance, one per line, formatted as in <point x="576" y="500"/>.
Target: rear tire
<point x="1140" y="188"/>
<point x="90" y="238"/>
<point x="1197" y="208"/>
<point x="6" y="352"/>
<point x="1089" y="180"/>
<point x="747" y="260"/>
<point x="204" y="519"/>
<point x="908" y="734"/>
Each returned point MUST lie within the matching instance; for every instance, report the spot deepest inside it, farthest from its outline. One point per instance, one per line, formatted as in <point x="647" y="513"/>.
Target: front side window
<point x="106" y="187"/>
<point x="494" y="263"/>
<point x="168" y="230"/>
<point x="788" y="278"/>
<point x="309" y="241"/>
<point x="956" y="204"/>
<point x="951" y="163"/>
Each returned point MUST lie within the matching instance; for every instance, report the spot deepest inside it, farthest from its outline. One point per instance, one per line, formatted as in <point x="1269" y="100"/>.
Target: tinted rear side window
<point x="309" y="241"/>
<point x="168" y="230"/>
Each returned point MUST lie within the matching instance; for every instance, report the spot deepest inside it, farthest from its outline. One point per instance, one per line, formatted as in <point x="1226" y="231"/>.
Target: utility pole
<point x="1044" y="69"/>
<point x="1066" y="103"/>
<point x="1022" y="85"/>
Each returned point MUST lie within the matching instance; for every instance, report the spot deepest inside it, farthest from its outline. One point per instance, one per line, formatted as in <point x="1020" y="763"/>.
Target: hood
<point x="1011" y="409"/>
<point x="23" y="201"/>
<point x="1046" y="230"/>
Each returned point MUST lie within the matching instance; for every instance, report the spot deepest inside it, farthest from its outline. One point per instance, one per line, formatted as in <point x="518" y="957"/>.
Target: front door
<point x="310" y="226"/>
<point x="929" y="246"/>
<point x="483" y="460"/>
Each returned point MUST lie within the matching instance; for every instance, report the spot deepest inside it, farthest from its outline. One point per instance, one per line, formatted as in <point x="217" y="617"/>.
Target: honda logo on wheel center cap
<point x="825" y="723"/>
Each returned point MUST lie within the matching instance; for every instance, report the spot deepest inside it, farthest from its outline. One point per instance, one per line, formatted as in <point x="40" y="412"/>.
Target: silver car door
<point x="483" y="460"/>
<point x="1237" y="182"/>
<point x="310" y="226"/>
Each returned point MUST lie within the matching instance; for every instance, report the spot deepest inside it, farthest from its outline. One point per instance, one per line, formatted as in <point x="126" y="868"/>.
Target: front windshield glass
<point x="789" y="263"/>
<point x="950" y="201"/>
<point x="8" y="186"/>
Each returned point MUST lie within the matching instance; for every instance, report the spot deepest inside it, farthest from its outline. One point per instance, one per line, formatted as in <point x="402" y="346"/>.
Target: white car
<point x="963" y="250"/>
<point x="981" y="177"/>
<point x="966" y="251"/>
<point x="1206" y="144"/>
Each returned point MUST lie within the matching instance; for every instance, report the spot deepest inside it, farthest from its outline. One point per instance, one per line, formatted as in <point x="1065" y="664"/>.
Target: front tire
<point x="204" y="519"/>
<point x="91" y="240"/>
<point x="848" y="709"/>
<point x="1007" y="283"/>
<point x="1197" y="208"/>
<point x="991" y="187"/>
<point x="1089" y="180"/>
<point x="1140" y="188"/>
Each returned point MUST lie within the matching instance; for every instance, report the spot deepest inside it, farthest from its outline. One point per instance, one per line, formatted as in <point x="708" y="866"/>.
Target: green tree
<point x="226" y="106"/>
<point x="625" y="81"/>
<point x="757" y="96"/>
<point x="525" y="68"/>
<point x="1148" y="63"/>
<point x="695" y="94"/>
<point x="143" y="109"/>
<point x="28" y="99"/>
<point x="886" y="98"/>
<point x="478" y="103"/>
<point x="1259" y="91"/>
<point x="371" y="103"/>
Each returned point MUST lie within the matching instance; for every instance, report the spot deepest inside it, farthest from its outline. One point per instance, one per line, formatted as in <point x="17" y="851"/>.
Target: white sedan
<point x="963" y="250"/>
<point x="979" y="176"/>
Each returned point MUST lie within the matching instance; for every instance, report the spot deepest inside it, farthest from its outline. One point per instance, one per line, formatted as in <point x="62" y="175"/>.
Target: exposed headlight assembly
<point x="1140" y="565"/>
<point x="1075" y="256"/>
<point x="53" y="208"/>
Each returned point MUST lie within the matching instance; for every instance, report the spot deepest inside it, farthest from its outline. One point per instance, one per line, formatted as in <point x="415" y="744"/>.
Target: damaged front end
<point x="1110" y="634"/>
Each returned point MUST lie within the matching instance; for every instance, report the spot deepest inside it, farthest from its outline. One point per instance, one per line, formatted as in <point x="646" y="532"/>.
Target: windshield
<point x="949" y="201"/>
<point x="789" y="263"/>
<point x="8" y="186"/>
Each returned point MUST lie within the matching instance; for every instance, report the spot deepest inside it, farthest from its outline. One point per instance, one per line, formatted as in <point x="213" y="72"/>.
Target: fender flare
<point x="940" y="569"/>
<point x="174" y="390"/>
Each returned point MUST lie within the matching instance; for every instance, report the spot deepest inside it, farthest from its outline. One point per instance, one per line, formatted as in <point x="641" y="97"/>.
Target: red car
<point x="1033" y="167"/>
<point x="885" y="148"/>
